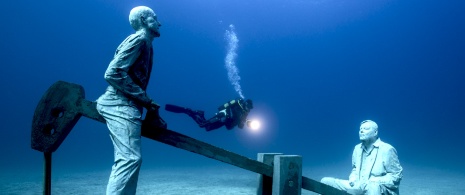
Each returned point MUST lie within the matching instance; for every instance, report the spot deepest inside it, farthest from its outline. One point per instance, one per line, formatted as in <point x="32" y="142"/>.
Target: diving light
<point x="253" y="124"/>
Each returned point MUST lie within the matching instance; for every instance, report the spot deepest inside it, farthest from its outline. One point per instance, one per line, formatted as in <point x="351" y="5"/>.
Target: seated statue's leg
<point x="373" y="188"/>
<point x="336" y="183"/>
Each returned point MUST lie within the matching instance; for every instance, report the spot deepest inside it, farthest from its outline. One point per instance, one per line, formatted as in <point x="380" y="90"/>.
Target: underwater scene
<point x="369" y="92"/>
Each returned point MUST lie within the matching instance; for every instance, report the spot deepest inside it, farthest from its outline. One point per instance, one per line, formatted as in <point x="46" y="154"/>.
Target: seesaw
<point x="64" y="103"/>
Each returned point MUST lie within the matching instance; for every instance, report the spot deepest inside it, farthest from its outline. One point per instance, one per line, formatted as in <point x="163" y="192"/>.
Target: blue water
<point x="315" y="69"/>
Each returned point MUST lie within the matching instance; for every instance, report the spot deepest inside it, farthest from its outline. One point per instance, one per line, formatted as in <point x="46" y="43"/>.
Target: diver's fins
<point x="175" y="109"/>
<point x="197" y="115"/>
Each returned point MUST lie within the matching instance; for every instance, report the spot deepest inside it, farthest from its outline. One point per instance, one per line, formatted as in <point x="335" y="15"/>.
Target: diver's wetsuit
<point x="231" y="114"/>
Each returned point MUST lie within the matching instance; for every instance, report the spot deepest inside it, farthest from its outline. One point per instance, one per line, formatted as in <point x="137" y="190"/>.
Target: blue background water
<point x="315" y="69"/>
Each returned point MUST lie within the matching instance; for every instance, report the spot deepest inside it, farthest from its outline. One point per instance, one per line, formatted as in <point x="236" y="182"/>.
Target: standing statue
<point x="122" y="104"/>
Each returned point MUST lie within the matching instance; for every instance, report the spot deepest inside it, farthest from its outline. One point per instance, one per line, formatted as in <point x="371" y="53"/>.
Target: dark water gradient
<point x="314" y="68"/>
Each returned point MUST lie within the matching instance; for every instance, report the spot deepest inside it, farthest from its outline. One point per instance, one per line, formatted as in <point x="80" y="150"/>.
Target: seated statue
<point x="376" y="168"/>
<point x="232" y="113"/>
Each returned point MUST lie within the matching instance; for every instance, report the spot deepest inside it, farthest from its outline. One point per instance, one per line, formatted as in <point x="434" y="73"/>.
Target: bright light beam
<point x="254" y="125"/>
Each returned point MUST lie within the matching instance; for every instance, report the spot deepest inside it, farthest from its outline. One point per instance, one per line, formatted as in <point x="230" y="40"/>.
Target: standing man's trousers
<point x="124" y="123"/>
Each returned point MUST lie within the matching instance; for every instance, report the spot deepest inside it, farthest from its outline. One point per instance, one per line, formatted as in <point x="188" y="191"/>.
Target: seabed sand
<point x="223" y="180"/>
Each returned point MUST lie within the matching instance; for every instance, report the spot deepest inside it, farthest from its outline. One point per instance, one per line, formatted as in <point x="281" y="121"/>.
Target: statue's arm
<point x="392" y="167"/>
<point x="353" y="177"/>
<point x="117" y="72"/>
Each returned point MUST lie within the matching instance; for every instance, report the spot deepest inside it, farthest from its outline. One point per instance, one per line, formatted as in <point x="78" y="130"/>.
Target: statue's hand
<point x="153" y="106"/>
<point x="357" y="188"/>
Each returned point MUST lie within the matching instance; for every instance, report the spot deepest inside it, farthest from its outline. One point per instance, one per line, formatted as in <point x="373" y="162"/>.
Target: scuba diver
<point x="232" y="113"/>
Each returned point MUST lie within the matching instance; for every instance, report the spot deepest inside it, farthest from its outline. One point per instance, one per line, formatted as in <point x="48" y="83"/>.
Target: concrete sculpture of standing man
<point x="122" y="104"/>
<point x="375" y="166"/>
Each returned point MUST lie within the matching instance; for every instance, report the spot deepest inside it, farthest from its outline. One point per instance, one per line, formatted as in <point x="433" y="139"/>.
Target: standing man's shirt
<point x="129" y="72"/>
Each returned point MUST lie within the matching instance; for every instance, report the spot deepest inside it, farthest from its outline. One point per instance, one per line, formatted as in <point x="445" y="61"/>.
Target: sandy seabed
<point x="224" y="180"/>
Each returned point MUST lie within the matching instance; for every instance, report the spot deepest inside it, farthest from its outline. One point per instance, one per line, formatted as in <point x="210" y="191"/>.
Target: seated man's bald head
<point x="371" y="123"/>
